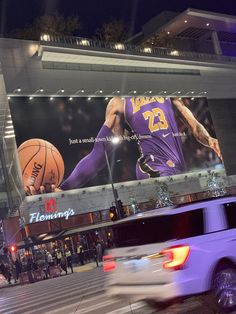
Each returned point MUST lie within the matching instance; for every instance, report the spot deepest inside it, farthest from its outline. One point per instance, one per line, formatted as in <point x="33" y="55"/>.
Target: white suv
<point x="175" y="252"/>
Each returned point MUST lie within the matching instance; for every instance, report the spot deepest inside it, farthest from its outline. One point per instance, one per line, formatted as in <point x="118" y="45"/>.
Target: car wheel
<point x="224" y="288"/>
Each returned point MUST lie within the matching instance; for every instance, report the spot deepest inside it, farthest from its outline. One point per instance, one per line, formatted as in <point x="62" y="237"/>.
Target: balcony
<point x="126" y="49"/>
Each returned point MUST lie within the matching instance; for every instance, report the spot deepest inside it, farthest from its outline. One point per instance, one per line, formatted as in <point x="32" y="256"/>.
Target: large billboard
<point x="66" y="143"/>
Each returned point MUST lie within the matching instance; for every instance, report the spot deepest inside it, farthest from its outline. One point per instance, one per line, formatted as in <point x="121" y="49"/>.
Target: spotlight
<point x="118" y="91"/>
<point x="89" y="98"/>
<point x="8" y="97"/>
<point x="51" y="98"/>
<point x="62" y="90"/>
<point x="135" y="91"/>
<point x="19" y="89"/>
<point x="82" y="90"/>
<point x="100" y="91"/>
<point x="71" y="98"/>
<point x="106" y="98"/>
<point x="41" y="90"/>
<point x="179" y="92"/>
<point x="30" y="98"/>
<point x="150" y="92"/>
<point x="192" y="98"/>
<point x="207" y="24"/>
<point x="165" y="92"/>
<point x="168" y="33"/>
<point x="192" y="92"/>
<point x="185" y="21"/>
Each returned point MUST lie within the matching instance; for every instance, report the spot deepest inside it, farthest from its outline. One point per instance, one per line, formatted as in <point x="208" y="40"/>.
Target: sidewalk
<point x="86" y="267"/>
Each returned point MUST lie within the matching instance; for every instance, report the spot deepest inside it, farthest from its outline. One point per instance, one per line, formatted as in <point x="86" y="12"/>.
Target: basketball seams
<point x="39" y="147"/>
<point x="44" y="166"/>
<point x="58" y="172"/>
<point x="35" y="145"/>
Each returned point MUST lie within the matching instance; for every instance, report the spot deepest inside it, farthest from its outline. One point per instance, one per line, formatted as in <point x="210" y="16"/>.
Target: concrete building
<point x="199" y="62"/>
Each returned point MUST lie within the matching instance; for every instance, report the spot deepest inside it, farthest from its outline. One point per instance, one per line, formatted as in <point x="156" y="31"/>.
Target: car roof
<point x="179" y="208"/>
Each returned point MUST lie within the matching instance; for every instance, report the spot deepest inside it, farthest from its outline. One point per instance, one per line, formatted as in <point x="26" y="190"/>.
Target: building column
<point x="216" y="43"/>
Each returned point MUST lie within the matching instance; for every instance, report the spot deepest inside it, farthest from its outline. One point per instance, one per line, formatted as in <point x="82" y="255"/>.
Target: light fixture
<point x="82" y="90"/>
<point x="62" y="90"/>
<point x="179" y="92"/>
<point x="207" y="24"/>
<point x="9" y="127"/>
<point x="106" y="98"/>
<point x="118" y="91"/>
<point x="150" y="92"/>
<point x="41" y="90"/>
<point x="8" y="97"/>
<point x="192" y="92"/>
<point x="89" y="98"/>
<point x="119" y="46"/>
<point x="71" y="98"/>
<point x="100" y="91"/>
<point x="135" y="92"/>
<point x="205" y="92"/>
<point x="166" y="98"/>
<point x="45" y="37"/>
<point x="9" y="136"/>
<point x="185" y="21"/>
<point x="180" y="98"/>
<point x="192" y="98"/>
<point x="51" y="98"/>
<point x="164" y="91"/>
<point x="168" y="33"/>
<point x="147" y="50"/>
<point x="84" y="42"/>
<point x="30" y="98"/>
<point x="115" y="140"/>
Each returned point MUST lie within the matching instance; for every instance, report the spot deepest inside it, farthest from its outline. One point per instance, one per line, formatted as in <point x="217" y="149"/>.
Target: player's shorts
<point x="152" y="169"/>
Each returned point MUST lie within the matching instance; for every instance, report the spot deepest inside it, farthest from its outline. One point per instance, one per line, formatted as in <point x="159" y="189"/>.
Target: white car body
<point x="139" y="277"/>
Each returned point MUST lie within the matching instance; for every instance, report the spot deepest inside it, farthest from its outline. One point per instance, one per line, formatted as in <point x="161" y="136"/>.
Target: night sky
<point x="93" y="13"/>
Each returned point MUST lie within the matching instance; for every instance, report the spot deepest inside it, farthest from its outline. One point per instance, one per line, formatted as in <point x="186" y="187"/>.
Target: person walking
<point x="63" y="263"/>
<point x="80" y="252"/>
<point x="69" y="259"/>
<point x="99" y="251"/>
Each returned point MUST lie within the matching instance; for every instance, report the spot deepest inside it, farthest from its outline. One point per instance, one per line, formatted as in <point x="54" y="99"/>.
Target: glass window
<point x="159" y="229"/>
<point x="230" y="211"/>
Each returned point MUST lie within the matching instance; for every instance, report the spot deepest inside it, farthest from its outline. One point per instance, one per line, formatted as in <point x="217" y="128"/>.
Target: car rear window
<point x="159" y="229"/>
<point x="230" y="211"/>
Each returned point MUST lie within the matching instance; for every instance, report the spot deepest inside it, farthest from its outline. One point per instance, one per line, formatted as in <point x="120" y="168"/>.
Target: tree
<point x="161" y="39"/>
<point x="114" y="31"/>
<point x="54" y="24"/>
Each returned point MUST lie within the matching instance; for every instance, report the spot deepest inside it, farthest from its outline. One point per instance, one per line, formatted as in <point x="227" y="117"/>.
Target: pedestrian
<point x="99" y="250"/>
<point x="49" y="259"/>
<point x="80" y="252"/>
<point x="69" y="259"/>
<point x="30" y="269"/>
<point x="63" y="263"/>
<point x="58" y="256"/>
<point x="95" y="256"/>
<point x="18" y="267"/>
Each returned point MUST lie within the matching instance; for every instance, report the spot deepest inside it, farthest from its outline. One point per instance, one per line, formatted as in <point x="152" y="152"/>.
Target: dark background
<point x="58" y="120"/>
<point x="93" y="13"/>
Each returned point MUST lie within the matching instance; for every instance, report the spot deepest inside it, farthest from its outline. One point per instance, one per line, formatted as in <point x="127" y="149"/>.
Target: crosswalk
<point x="78" y="293"/>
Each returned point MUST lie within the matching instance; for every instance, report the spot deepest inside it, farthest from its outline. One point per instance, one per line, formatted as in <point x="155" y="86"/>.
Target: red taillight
<point x="177" y="256"/>
<point x="109" y="263"/>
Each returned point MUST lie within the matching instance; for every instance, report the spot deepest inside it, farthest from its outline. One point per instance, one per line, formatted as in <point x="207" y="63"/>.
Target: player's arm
<point x="95" y="161"/>
<point x="198" y="130"/>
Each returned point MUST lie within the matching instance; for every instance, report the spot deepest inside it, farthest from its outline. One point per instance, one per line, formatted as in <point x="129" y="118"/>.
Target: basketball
<point x="41" y="163"/>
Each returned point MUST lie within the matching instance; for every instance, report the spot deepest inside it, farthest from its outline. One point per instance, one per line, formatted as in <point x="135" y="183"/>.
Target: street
<point x="79" y="293"/>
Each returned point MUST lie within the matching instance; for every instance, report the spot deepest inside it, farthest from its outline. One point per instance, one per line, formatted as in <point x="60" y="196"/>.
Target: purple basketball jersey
<point x="153" y="121"/>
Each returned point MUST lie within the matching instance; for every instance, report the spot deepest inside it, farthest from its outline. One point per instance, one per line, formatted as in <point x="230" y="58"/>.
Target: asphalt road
<point x="80" y="293"/>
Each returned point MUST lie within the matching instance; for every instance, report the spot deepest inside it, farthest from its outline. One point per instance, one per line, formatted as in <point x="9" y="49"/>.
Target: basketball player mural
<point x="152" y="120"/>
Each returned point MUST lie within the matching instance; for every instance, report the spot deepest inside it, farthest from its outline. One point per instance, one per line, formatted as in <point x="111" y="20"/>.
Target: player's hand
<point x="214" y="144"/>
<point x="48" y="188"/>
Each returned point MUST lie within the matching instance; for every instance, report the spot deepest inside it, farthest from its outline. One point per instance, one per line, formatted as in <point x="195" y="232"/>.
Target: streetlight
<point x="115" y="140"/>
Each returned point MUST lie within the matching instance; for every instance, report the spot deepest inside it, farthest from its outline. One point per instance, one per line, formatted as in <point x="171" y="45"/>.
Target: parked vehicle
<point x="176" y="252"/>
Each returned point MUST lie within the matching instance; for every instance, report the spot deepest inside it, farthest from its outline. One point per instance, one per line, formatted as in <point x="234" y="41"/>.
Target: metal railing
<point x="92" y="44"/>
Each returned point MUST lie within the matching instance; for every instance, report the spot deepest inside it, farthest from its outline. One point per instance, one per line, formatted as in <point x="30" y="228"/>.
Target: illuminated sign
<point x="38" y="217"/>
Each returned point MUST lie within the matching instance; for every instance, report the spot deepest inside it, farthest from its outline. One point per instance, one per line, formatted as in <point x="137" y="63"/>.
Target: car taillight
<point x="177" y="256"/>
<point x="109" y="263"/>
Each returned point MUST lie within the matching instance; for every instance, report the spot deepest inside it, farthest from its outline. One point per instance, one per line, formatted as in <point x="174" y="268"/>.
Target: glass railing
<point x="93" y="44"/>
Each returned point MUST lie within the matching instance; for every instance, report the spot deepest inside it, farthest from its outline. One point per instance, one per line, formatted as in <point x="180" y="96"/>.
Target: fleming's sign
<point x="51" y="212"/>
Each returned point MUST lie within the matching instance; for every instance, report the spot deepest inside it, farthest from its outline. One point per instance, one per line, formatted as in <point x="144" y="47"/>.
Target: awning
<point x="87" y="228"/>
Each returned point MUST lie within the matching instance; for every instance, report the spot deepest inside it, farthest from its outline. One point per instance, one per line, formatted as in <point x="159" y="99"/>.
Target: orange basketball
<point x="41" y="163"/>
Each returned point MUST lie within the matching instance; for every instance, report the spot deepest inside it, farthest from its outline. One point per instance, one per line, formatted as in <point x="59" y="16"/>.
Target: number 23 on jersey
<point x="153" y="125"/>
